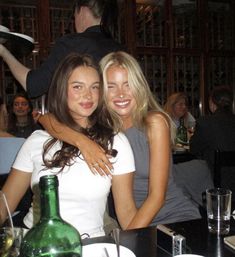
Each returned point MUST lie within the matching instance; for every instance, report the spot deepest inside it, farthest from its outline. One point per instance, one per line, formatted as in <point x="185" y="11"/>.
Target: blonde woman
<point x="177" y="107"/>
<point x="150" y="132"/>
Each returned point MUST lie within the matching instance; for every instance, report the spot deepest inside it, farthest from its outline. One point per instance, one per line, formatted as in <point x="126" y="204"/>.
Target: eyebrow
<point x="80" y="82"/>
<point x="114" y="83"/>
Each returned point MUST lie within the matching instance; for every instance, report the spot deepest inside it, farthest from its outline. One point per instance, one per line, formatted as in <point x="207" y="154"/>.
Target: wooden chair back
<point x="222" y="159"/>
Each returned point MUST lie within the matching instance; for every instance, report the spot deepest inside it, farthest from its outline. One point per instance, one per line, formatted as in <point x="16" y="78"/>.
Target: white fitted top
<point x="82" y="194"/>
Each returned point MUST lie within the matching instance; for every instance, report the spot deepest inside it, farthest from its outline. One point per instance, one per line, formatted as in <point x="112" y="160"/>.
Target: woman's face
<point x="180" y="108"/>
<point x="83" y="93"/>
<point x="21" y="106"/>
<point x="119" y="95"/>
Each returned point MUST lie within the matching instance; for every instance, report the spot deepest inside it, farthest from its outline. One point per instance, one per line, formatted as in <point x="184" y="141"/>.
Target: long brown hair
<point x="100" y="129"/>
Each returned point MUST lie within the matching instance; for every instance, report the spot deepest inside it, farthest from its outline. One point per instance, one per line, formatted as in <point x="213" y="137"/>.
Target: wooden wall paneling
<point x="170" y="37"/>
<point x="233" y="44"/>
<point x="43" y="27"/>
<point x="157" y="46"/>
<point x="203" y="45"/>
<point x="130" y="26"/>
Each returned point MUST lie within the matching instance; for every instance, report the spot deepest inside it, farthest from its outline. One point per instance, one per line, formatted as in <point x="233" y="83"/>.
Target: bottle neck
<point x="49" y="202"/>
<point x="182" y="122"/>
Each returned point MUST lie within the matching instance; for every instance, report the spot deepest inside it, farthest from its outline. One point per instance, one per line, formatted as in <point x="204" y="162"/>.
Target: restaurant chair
<point x="223" y="159"/>
<point x="9" y="147"/>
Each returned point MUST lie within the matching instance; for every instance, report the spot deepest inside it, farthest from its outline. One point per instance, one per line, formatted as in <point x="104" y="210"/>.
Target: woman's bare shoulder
<point x="158" y="117"/>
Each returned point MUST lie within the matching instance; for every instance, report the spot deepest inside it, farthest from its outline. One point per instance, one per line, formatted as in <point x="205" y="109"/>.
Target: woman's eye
<point x="110" y="86"/>
<point x="77" y="87"/>
<point x="96" y="87"/>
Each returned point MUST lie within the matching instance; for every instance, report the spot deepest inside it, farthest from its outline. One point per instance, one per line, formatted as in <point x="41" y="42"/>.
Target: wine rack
<point x="184" y="46"/>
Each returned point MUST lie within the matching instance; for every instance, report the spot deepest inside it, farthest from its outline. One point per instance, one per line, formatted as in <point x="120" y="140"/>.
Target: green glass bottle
<point x="181" y="134"/>
<point x="51" y="236"/>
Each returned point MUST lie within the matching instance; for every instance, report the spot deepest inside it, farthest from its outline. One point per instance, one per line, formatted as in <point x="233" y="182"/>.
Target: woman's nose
<point x="87" y="94"/>
<point x="121" y="92"/>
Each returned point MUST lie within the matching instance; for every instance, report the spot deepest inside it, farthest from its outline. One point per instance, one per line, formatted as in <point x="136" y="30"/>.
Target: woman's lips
<point x="122" y="104"/>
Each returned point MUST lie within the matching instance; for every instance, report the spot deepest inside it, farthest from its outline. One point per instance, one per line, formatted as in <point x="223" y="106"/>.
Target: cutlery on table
<point x="116" y="236"/>
<point x="106" y="253"/>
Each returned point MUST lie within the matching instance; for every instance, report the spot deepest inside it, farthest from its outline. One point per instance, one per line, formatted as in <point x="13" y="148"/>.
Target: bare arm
<point x="92" y="152"/>
<point x="18" y="70"/>
<point x="158" y="133"/>
<point x="5" y="134"/>
<point x="122" y="189"/>
<point x="15" y="187"/>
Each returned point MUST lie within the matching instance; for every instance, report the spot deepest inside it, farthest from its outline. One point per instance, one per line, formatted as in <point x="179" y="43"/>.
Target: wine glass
<point x="190" y="129"/>
<point x="6" y="227"/>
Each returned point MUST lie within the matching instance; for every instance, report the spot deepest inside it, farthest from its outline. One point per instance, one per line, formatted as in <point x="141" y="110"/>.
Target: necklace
<point x="22" y="124"/>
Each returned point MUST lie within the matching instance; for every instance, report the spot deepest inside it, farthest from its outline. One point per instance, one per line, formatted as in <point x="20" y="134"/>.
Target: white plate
<point x="23" y="36"/>
<point x="97" y="250"/>
<point x="4" y="29"/>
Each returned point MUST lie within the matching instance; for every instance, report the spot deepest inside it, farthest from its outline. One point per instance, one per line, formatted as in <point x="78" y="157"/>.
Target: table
<point x="183" y="156"/>
<point x="141" y="241"/>
<point x="200" y="241"/>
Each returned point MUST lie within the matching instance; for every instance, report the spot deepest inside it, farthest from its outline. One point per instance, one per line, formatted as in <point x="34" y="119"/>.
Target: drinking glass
<point x="190" y="129"/>
<point x="218" y="210"/>
<point x="6" y="227"/>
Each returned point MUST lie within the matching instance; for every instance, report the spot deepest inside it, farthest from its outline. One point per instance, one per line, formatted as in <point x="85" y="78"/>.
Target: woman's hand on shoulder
<point x="93" y="154"/>
<point x="95" y="157"/>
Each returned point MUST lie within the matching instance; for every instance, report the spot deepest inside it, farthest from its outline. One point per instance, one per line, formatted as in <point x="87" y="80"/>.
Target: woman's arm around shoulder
<point x="91" y="151"/>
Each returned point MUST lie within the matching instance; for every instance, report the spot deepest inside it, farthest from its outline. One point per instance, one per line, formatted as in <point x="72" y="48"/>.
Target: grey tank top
<point x="177" y="206"/>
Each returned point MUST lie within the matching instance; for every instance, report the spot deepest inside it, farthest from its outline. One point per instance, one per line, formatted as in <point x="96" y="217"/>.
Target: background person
<point x="177" y="107"/>
<point x="20" y="119"/>
<point x="95" y="22"/>
<point x="216" y="131"/>
<point x="75" y="99"/>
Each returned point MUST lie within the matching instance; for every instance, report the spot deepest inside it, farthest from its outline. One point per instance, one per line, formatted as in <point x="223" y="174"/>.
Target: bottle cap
<point x="48" y="180"/>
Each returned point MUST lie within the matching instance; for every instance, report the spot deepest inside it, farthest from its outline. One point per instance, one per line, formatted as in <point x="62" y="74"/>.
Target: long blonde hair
<point x="144" y="98"/>
<point x="172" y="100"/>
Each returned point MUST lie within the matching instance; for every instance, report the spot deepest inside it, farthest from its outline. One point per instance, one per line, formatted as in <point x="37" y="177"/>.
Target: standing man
<point x="95" y="24"/>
